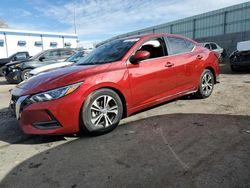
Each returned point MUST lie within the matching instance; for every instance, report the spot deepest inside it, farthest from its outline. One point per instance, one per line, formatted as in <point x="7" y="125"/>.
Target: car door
<point x="151" y="79"/>
<point x="184" y="57"/>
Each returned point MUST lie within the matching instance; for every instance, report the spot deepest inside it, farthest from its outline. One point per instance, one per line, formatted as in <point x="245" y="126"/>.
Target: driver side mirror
<point x="14" y="58"/>
<point x="139" y="56"/>
<point x="41" y="58"/>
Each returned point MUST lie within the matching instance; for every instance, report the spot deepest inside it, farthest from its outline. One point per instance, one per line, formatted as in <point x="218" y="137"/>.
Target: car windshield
<point x="109" y="52"/>
<point x="76" y="57"/>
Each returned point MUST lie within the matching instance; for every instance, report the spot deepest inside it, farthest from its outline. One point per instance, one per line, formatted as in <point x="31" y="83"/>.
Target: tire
<point x="206" y="84"/>
<point x="2" y="71"/>
<point x="25" y="74"/>
<point x="98" y="119"/>
<point x="234" y="69"/>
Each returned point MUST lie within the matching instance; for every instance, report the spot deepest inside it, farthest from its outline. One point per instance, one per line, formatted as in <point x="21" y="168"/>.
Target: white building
<point x="12" y="41"/>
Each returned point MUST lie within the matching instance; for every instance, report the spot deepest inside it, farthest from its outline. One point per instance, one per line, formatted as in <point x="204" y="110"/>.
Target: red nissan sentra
<point x="114" y="81"/>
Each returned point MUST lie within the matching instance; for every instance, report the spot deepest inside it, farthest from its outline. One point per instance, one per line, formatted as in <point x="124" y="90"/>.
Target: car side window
<point x="50" y="55"/>
<point x="207" y="46"/>
<point x="213" y="46"/>
<point x="20" y="56"/>
<point x="66" y="53"/>
<point x="155" y="47"/>
<point x="190" y="45"/>
<point x="179" y="45"/>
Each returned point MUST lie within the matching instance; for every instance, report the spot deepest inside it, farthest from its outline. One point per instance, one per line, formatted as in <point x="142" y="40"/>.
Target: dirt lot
<point x="183" y="143"/>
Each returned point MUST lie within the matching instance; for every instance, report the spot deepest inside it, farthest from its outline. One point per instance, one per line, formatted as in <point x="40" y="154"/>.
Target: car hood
<point x="54" y="79"/>
<point x="49" y="67"/>
<point x="17" y="62"/>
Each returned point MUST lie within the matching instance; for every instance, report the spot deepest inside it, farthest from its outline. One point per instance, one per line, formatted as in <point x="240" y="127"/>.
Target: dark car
<point x="240" y="59"/>
<point x="15" y="57"/>
<point x="19" y="71"/>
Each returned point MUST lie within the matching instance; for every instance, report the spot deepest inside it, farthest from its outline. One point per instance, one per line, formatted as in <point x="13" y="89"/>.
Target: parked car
<point x="14" y="57"/>
<point x="114" y="81"/>
<point x="19" y="71"/>
<point x="240" y="59"/>
<point x="216" y="48"/>
<point x="68" y="62"/>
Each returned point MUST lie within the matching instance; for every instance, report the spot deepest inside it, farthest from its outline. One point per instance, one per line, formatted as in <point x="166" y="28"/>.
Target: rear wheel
<point x="25" y="74"/>
<point x="206" y="85"/>
<point x="101" y="112"/>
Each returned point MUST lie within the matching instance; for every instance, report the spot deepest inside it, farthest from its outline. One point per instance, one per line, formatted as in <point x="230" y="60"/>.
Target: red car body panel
<point x="141" y="85"/>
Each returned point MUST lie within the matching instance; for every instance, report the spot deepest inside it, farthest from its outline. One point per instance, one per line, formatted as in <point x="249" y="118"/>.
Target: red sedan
<point x="116" y="80"/>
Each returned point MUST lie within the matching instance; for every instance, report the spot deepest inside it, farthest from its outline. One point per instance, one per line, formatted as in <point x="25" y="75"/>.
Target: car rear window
<point x="179" y="45"/>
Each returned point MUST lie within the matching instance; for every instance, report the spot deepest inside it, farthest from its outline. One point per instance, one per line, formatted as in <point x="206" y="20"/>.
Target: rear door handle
<point x="169" y="64"/>
<point x="199" y="57"/>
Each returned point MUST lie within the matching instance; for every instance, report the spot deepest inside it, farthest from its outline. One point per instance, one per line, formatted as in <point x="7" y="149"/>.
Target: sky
<point x="98" y="20"/>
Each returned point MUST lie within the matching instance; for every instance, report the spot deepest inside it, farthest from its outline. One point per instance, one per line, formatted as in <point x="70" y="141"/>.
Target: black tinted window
<point x="178" y="45"/>
<point x="213" y="46"/>
<point x="207" y="46"/>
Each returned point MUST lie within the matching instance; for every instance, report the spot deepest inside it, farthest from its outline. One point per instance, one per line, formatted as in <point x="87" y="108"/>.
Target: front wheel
<point x="25" y="74"/>
<point x="206" y="85"/>
<point x="101" y="112"/>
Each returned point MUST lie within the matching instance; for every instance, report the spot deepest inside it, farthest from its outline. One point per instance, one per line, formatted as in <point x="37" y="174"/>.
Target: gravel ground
<point x="182" y="143"/>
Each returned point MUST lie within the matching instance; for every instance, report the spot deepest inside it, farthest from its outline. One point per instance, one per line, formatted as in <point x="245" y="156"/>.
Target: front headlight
<point x="55" y="93"/>
<point x="15" y="66"/>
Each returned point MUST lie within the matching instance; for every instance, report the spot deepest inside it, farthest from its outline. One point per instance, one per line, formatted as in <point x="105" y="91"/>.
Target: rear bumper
<point x="241" y="64"/>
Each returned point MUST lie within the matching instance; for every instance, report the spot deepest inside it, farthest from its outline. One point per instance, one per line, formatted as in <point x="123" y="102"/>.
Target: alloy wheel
<point x="207" y="83"/>
<point x="104" y="111"/>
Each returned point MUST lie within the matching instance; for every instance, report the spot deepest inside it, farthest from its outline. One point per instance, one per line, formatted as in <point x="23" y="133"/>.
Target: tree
<point x="3" y="24"/>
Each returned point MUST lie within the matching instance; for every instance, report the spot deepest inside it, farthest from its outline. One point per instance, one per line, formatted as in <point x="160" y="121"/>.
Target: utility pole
<point x="75" y="19"/>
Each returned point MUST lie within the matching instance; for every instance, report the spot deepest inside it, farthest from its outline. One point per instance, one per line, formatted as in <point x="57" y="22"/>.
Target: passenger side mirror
<point x="41" y="58"/>
<point x="139" y="56"/>
<point x="14" y="58"/>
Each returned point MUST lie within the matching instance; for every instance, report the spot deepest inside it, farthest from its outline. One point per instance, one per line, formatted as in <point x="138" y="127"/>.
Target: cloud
<point x="97" y="19"/>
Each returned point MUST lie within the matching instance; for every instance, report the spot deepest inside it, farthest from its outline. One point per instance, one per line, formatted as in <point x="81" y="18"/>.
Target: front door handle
<point x="169" y="64"/>
<point x="199" y="57"/>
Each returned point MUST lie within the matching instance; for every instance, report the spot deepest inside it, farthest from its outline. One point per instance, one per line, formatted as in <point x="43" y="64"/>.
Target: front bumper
<point x="60" y="116"/>
<point x="13" y="76"/>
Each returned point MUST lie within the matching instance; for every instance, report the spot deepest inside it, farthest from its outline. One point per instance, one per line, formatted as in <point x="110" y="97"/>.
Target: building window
<point x="53" y="44"/>
<point x="21" y="43"/>
<point x="38" y="43"/>
<point x="1" y="43"/>
<point x="68" y="44"/>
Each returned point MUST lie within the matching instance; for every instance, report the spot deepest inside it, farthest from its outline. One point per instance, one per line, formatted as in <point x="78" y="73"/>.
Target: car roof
<point x="150" y="35"/>
<point x="69" y="49"/>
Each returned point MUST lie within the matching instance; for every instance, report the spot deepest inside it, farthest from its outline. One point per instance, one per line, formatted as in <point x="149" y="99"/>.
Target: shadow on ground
<point x="178" y="150"/>
<point x="11" y="133"/>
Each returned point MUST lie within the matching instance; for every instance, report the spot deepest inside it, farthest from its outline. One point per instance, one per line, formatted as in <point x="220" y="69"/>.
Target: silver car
<point x="214" y="47"/>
